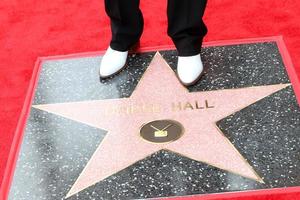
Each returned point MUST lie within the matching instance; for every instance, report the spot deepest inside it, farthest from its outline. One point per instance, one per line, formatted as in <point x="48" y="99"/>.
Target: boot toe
<point x="112" y="62"/>
<point x="189" y="69"/>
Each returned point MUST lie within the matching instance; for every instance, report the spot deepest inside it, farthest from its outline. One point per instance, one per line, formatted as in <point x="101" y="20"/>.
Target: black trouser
<point x="185" y="25"/>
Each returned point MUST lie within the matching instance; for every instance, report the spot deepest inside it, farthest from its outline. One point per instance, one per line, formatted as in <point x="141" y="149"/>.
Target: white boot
<point x="189" y="69"/>
<point x="112" y="62"/>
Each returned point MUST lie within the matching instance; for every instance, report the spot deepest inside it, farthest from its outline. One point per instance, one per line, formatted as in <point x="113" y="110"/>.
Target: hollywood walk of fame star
<point x="123" y="146"/>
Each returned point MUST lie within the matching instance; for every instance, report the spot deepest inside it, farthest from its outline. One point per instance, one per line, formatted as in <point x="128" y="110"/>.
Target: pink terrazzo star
<point x="160" y="89"/>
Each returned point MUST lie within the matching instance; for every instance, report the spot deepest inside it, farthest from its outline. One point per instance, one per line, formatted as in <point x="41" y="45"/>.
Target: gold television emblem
<point x="160" y="133"/>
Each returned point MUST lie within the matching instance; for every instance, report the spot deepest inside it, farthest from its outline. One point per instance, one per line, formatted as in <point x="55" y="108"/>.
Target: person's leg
<point x="126" y="26"/>
<point x="126" y="23"/>
<point x="185" y="25"/>
<point x="187" y="29"/>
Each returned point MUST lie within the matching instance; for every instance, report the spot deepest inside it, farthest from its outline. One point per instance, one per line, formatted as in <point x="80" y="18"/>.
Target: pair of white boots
<point x="189" y="68"/>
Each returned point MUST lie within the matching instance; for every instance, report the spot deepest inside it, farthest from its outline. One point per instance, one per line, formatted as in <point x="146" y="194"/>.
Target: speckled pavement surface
<point x="55" y="149"/>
